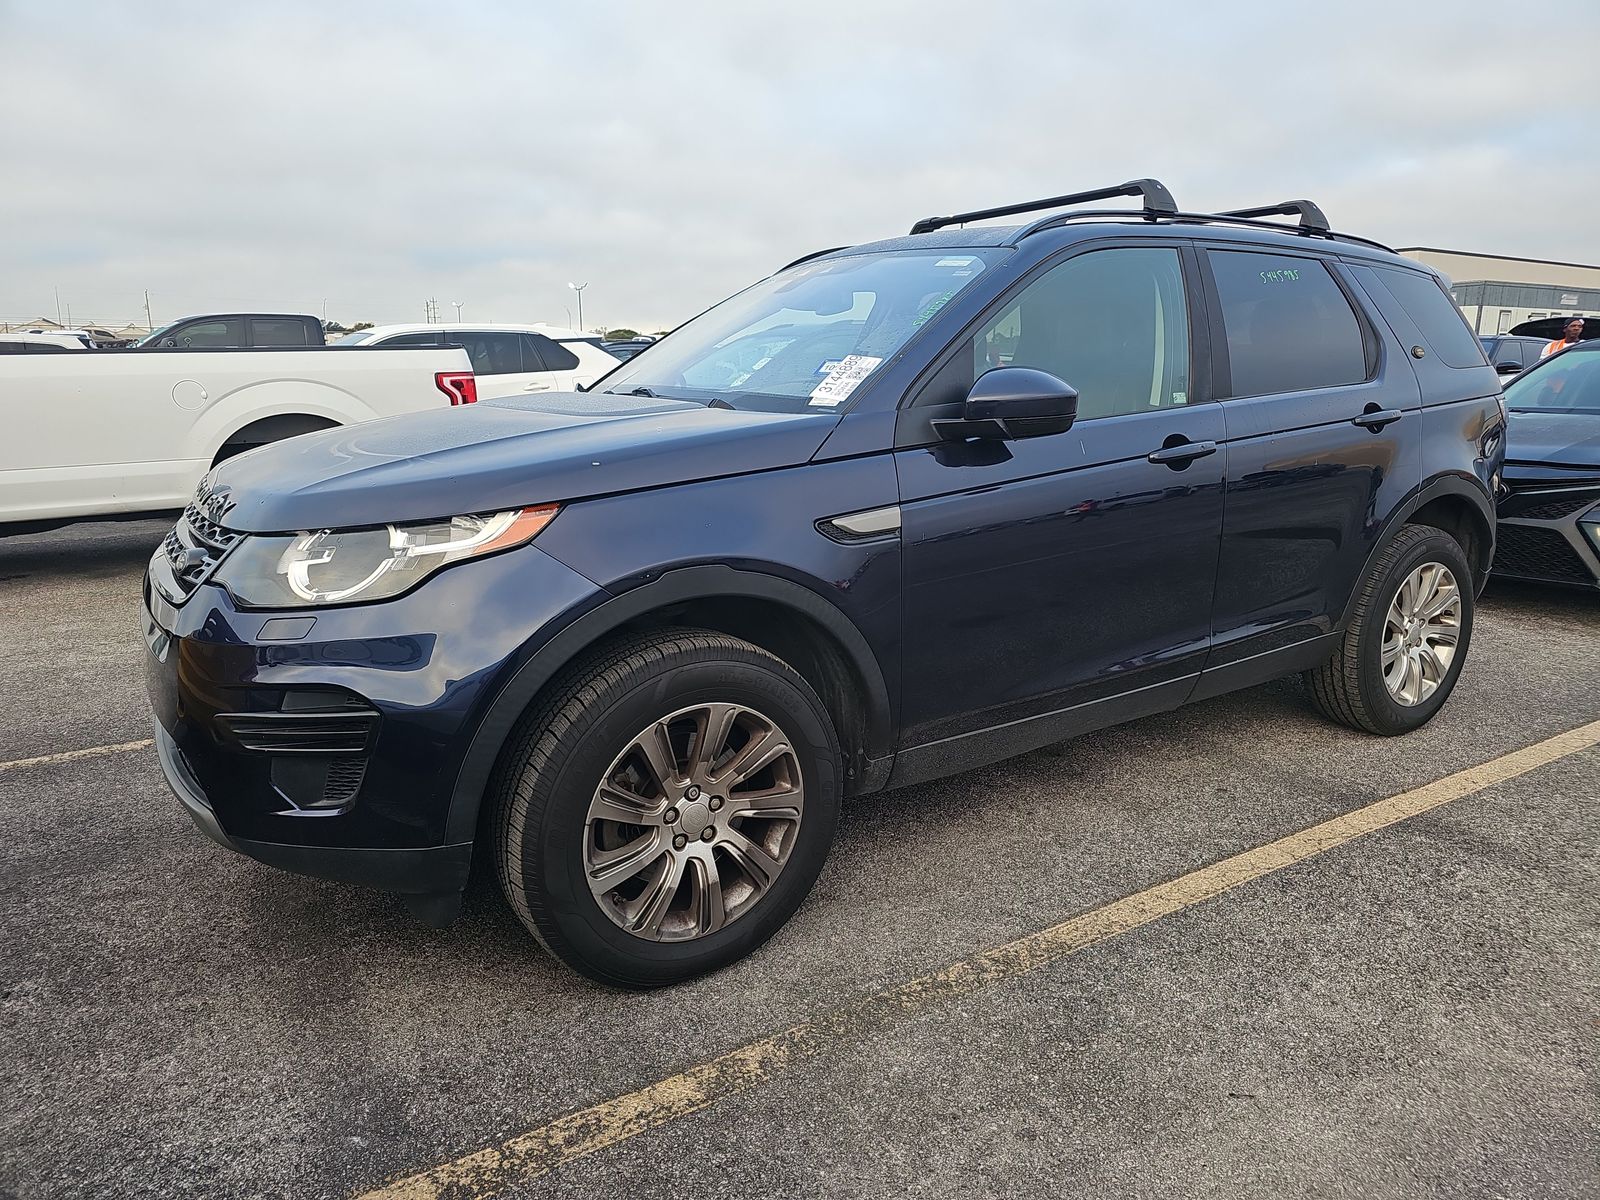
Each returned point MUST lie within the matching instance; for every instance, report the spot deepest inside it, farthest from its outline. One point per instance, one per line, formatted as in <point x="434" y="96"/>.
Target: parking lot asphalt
<point x="1412" y="1012"/>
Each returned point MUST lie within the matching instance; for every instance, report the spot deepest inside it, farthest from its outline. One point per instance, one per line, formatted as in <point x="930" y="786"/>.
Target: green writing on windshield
<point x="1286" y="275"/>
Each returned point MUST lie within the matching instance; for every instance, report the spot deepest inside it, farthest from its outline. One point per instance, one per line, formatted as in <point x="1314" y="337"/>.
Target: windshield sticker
<point x="955" y="262"/>
<point x="845" y="377"/>
<point x="827" y="367"/>
<point x="931" y="307"/>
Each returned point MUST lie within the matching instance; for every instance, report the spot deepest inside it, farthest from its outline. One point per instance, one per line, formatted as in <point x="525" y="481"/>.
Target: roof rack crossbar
<point x="1311" y="218"/>
<point x="1158" y="202"/>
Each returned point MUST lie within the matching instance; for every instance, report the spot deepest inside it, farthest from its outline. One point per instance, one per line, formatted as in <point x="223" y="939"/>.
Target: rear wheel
<point x="667" y="808"/>
<point x="1403" y="650"/>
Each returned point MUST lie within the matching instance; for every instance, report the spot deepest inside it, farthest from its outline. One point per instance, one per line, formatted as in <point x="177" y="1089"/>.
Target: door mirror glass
<point x="1013" y="402"/>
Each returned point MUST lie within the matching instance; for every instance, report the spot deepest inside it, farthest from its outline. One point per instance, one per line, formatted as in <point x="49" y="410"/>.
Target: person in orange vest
<point x="1572" y="334"/>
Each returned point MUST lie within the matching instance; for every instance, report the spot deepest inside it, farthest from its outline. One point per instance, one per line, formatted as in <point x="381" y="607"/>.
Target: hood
<point x="1552" y="448"/>
<point x="503" y="454"/>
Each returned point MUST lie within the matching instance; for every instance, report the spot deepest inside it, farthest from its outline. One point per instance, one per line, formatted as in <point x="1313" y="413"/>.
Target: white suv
<point x="508" y="360"/>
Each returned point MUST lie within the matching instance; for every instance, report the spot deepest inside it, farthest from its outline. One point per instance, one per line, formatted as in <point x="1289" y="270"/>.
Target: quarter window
<point x="1113" y="324"/>
<point x="1289" y="327"/>
<point x="1441" y="323"/>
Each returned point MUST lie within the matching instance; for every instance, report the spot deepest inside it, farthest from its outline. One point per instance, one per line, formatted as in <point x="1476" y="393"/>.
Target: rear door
<point x="1059" y="582"/>
<point x="1324" y="434"/>
<point x="499" y="363"/>
<point x="557" y="366"/>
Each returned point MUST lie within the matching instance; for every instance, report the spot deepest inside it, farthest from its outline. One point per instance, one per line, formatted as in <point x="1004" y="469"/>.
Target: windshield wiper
<point x="714" y="402"/>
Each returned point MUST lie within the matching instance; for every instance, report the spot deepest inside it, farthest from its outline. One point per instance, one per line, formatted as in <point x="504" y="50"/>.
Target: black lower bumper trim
<point x="424" y="871"/>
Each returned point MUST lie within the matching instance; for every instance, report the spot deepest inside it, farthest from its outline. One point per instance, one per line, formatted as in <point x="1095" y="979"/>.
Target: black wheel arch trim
<point x="672" y="587"/>
<point x="1466" y="486"/>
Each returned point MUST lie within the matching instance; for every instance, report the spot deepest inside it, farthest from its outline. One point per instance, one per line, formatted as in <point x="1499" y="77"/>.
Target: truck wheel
<point x="667" y="808"/>
<point x="1402" y="653"/>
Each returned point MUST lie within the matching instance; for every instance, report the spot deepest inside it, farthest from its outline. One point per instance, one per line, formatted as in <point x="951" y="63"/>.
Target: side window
<point x="492" y="353"/>
<point x="411" y="339"/>
<point x="1441" y="323"/>
<point x="208" y="335"/>
<point x="556" y="357"/>
<point x="1112" y="323"/>
<point x="1289" y="327"/>
<point x="265" y="331"/>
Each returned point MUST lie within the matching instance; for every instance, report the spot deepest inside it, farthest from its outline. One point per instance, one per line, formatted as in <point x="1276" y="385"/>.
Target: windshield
<point x="1568" y="382"/>
<point x="354" y="339"/>
<point x="807" y="337"/>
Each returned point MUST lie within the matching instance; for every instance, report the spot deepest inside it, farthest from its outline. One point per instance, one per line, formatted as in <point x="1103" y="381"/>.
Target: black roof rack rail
<point x="1158" y="202"/>
<point x="1188" y="218"/>
<point x="1311" y="219"/>
<point x="809" y="257"/>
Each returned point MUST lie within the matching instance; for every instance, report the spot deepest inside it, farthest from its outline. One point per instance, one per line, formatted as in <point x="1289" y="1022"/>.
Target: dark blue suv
<point x="896" y="511"/>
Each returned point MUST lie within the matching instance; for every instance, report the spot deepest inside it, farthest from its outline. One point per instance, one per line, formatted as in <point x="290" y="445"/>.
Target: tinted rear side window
<point x="555" y="356"/>
<point x="1289" y="327"/>
<point x="492" y="353"/>
<point x="1441" y="323"/>
<point x="267" y="332"/>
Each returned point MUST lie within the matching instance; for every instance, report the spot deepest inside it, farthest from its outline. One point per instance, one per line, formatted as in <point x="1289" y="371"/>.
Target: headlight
<point x="349" y="566"/>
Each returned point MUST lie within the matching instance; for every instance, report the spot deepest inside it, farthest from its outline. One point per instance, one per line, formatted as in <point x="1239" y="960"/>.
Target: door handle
<point x="537" y="385"/>
<point x="1181" y="454"/>
<point x="1375" y="418"/>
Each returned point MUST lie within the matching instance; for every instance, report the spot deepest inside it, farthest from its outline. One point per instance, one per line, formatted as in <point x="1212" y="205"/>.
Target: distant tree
<point x="621" y="335"/>
<point x="332" y="327"/>
<point x="360" y="325"/>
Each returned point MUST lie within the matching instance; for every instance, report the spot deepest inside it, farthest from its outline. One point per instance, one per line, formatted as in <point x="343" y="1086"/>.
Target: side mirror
<point x="1013" y="402"/>
<point x="1508" y="368"/>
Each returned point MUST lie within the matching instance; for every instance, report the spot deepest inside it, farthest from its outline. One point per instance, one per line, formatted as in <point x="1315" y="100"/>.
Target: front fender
<point x="672" y="587"/>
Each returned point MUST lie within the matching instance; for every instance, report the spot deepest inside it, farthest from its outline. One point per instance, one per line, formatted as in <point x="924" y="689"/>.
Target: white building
<point x="1498" y="293"/>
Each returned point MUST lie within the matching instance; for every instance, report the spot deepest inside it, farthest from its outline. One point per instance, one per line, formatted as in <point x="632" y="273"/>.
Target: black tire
<point x="565" y="744"/>
<point x="1349" y="687"/>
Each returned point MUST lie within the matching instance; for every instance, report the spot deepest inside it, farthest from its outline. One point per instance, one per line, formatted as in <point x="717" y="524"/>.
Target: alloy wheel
<point x="693" y="822"/>
<point x="1421" y="633"/>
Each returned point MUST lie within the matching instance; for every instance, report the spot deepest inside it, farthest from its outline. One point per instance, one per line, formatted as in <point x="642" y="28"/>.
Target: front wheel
<point x="667" y="808"/>
<point x="1403" y="650"/>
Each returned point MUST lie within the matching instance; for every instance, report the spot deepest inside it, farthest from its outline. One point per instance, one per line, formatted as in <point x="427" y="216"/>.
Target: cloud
<point x="372" y="157"/>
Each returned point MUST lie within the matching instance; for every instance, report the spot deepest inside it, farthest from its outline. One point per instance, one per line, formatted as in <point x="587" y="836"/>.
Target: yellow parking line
<point x="16" y="764"/>
<point x="537" y="1151"/>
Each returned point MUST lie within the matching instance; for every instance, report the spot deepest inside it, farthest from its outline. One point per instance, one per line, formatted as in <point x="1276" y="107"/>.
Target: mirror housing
<point x="1007" y="403"/>
<point x="1508" y="368"/>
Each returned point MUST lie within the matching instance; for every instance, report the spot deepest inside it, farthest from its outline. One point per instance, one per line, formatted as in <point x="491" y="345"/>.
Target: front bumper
<point x="331" y="745"/>
<point x="1550" y="536"/>
<point x="423" y="871"/>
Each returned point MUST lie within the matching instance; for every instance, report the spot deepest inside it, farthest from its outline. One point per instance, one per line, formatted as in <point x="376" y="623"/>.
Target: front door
<point x="1062" y="582"/>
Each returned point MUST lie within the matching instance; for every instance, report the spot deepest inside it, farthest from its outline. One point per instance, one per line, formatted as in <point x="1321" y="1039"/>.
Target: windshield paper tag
<point x="845" y="377"/>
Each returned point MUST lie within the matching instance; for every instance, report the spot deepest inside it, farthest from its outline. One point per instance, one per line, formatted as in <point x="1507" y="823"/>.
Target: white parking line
<point x="16" y="764"/>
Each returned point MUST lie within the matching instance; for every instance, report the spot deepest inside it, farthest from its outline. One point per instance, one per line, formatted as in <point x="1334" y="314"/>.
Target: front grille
<point x="1538" y="554"/>
<point x="194" y="546"/>
<point x="1554" y="510"/>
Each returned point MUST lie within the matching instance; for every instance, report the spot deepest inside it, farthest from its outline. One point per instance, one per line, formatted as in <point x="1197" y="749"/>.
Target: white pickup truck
<point x="132" y="431"/>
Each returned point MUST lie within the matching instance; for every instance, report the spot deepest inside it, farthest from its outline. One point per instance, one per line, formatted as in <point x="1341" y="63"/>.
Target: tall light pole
<point x="578" y="287"/>
<point x="457" y="303"/>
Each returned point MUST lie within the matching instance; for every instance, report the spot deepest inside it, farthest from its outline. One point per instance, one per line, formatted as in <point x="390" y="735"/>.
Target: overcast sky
<point x="276" y="156"/>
